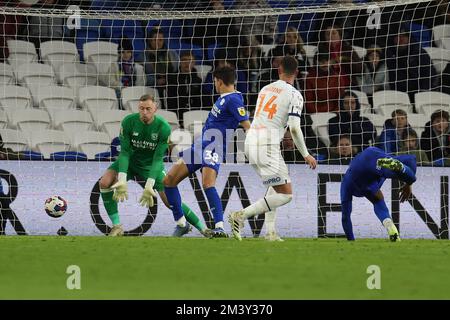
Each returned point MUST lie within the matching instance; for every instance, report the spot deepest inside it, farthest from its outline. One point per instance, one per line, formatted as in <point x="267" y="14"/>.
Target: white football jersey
<point x="276" y="102"/>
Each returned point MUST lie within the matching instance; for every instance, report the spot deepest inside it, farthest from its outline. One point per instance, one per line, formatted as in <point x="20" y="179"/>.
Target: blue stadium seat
<point x="68" y="156"/>
<point x="89" y="31"/>
<point x="180" y="46"/>
<point x="31" y="155"/>
<point x="104" y="156"/>
<point x="421" y="34"/>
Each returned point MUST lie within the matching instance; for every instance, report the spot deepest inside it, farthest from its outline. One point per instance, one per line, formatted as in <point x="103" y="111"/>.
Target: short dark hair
<point x="146" y="97"/>
<point x="410" y="132"/>
<point x="439" y="114"/>
<point x="186" y="53"/>
<point x="399" y="112"/>
<point x="289" y="64"/>
<point x="226" y="74"/>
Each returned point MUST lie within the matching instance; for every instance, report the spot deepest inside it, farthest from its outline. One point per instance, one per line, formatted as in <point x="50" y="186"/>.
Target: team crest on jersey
<point x="154" y="136"/>
<point x="241" y="111"/>
<point x="135" y="134"/>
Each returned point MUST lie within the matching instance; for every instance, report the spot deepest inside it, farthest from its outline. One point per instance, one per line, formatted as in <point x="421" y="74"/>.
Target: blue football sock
<point x="174" y="198"/>
<point x="407" y="175"/>
<point x="346" y="220"/>
<point x="381" y="210"/>
<point x="215" y="204"/>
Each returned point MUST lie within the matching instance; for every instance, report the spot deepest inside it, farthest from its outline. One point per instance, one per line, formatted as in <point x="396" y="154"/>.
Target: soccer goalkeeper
<point x="364" y="178"/>
<point x="144" y="141"/>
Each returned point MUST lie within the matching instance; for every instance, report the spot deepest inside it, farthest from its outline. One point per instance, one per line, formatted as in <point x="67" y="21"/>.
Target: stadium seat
<point x="72" y="121"/>
<point x="54" y="98"/>
<point x="363" y="101"/>
<point x="377" y="120"/>
<point x="320" y="125"/>
<point x="171" y="118"/>
<point x="384" y="102"/>
<point x="131" y="96"/>
<point x="428" y="102"/>
<point x="310" y="53"/>
<point x="97" y="99"/>
<point x="15" y="97"/>
<point x="21" y="52"/>
<point x="265" y="48"/>
<point x="194" y="120"/>
<point x="440" y="32"/>
<point x="56" y="53"/>
<point x="181" y="140"/>
<point x="30" y="74"/>
<point x="203" y="70"/>
<point x="49" y="141"/>
<point x="91" y="143"/>
<point x="109" y="121"/>
<point x="100" y="54"/>
<point x="417" y="122"/>
<point x="360" y="51"/>
<point x="29" y="119"/>
<point x="77" y="75"/>
<point x="6" y="74"/>
<point x="3" y="119"/>
<point x="14" y="139"/>
<point x="440" y="57"/>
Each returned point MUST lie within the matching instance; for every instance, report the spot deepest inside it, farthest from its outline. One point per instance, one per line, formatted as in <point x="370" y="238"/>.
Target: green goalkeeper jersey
<point x="143" y="146"/>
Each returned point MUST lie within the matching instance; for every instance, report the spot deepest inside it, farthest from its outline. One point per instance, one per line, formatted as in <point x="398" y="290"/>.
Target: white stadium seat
<point x="203" y="70"/>
<point x="21" y="52"/>
<point x="14" y="139"/>
<point x="320" y="125"/>
<point x="417" y="122"/>
<point x="29" y="119"/>
<point x="131" y="96"/>
<point x="428" y="102"/>
<point x="49" y="141"/>
<point x="265" y="48"/>
<point x="193" y="121"/>
<point x="441" y="32"/>
<point x="6" y="74"/>
<point x="109" y="121"/>
<point x="30" y="74"/>
<point x="363" y="101"/>
<point x="77" y="75"/>
<point x="56" y="53"/>
<point x="440" y="57"/>
<point x="72" y="121"/>
<point x="384" y="102"/>
<point x="3" y="119"/>
<point x="97" y="99"/>
<point x="91" y="143"/>
<point x="15" y="97"/>
<point x="377" y="120"/>
<point x="100" y="54"/>
<point x="54" y="98"/>
<point x="360" y="51"/>
<point x="310" y="53"/>
<point x="170" y="117"/>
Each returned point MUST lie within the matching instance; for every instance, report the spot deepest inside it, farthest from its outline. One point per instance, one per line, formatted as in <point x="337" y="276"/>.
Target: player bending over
<point x="144" y="141"/>
<point x="279" y="104"/>
<point x="208" y="151"/>
<point x="364" y="178"/>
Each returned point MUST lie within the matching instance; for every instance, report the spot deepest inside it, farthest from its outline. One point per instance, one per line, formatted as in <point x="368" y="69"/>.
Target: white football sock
<point x="270" y="215"/>
<point x="268" y="203"/>
<point x="387" y="223"/>
<point x="182" y="222"/>
<point x="219" y="225"/>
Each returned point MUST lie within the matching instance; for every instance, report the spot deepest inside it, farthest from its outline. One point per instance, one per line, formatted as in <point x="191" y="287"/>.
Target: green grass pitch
<point x="193" y="268"/>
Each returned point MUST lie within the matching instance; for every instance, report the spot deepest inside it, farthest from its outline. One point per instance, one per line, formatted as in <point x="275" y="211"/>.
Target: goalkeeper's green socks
<point x="110" y="205"/>
<point x="192" y="218"/>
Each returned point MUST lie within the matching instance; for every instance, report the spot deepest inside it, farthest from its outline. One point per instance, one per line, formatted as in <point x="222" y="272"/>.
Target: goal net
<point x="372" y="73"/>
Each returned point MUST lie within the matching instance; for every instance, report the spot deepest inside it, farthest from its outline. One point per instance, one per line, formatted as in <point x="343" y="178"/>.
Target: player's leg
<point x="395" y="168"/>
<point x="270" y="217"/>
<point x="105" y="183"/>
<point x="209" y="176"/>
<point x="382" y="212"/>
<point x="175" y="175"/>
<point x="346" y="204"/>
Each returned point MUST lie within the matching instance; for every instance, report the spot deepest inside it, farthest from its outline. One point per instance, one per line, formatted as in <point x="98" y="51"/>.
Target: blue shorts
<point x="349" y="189"/>
<point x="198" y="156"/>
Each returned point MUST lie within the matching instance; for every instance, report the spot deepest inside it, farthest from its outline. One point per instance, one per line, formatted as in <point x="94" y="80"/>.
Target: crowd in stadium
<point x="348" y="70"/>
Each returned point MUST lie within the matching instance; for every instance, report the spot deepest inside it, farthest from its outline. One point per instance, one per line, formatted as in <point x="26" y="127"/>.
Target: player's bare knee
<point x="104" y="183"/>
<point x="169" y="181"/>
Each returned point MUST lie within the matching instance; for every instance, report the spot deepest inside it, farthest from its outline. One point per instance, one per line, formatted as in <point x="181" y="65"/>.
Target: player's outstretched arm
<point x="299" y="141"/>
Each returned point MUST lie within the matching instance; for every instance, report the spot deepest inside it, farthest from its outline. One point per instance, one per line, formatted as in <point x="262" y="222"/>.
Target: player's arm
<point x="245" y="124"/>
<point x="120" y="187"/>
<point x="296" y="130"/>
<point x="155" y="168"/>
<point x="239" y="113"/>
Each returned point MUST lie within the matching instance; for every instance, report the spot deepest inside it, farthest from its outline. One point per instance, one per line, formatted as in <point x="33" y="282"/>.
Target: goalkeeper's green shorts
<point x="138" y="172"/>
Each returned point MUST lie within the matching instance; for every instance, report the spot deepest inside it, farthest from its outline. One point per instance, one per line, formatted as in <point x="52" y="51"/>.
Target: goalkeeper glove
<point x="120" y="188"/>
<point x="148" y="194"/>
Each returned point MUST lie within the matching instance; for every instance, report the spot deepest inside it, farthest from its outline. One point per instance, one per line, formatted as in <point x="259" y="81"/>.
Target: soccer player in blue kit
<point x="364" y="178"/>
<point x="207" y="152"/>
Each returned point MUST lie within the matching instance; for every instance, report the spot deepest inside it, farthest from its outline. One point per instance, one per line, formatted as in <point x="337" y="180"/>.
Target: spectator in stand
<point x="342" y="151"/>
<point x="349" y="122"/>
<point x="8" y="153"/>
<point x="410" y="67"/>
<point x="374" y="76"/>
<point x="435" y="139"/>
<point x="323" y="86"/>
<point x="264" y="28"/>
<point x="411" y="146"/>
<point x="391" y="138"/>
<point x="185" y="87"/>
<point x="270" y="74"/>
<point x="345" y="61"/>
<point x="159" y="60"/>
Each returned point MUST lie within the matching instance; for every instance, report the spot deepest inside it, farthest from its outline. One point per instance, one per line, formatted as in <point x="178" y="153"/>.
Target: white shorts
<point x="268" y="163"/>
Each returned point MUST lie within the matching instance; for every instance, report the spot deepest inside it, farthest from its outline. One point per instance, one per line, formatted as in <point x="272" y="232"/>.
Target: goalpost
<point x="71" y="71"/>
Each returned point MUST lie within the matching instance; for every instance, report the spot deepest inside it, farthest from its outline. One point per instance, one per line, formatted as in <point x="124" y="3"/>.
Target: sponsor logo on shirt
<point x="154" y="136"/>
